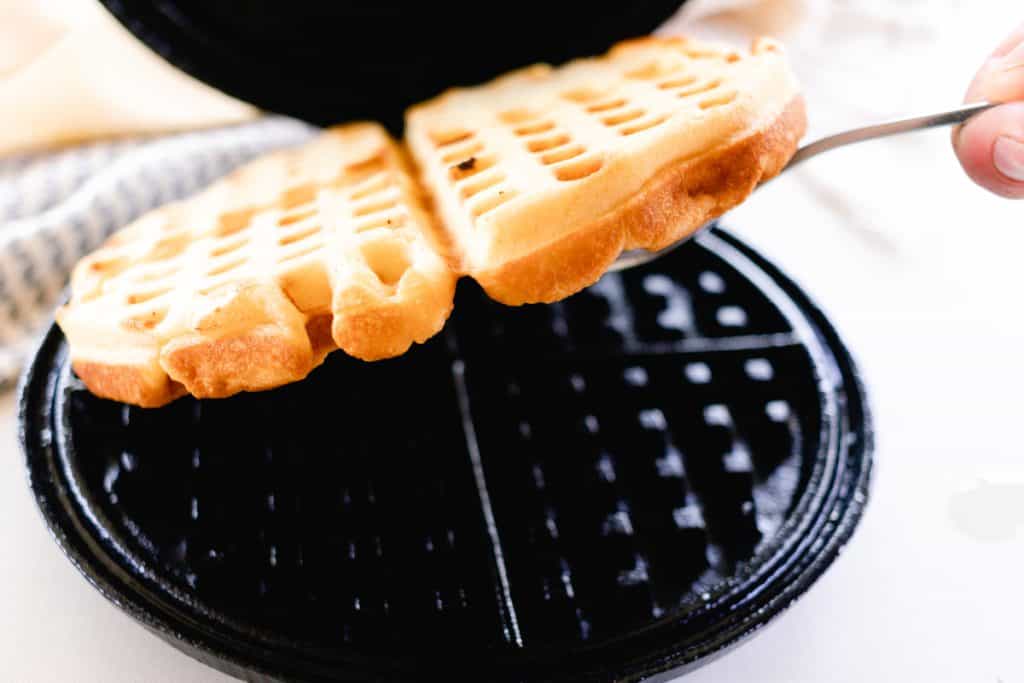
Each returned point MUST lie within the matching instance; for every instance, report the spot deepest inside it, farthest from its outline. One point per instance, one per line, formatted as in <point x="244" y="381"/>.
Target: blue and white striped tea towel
<point x="56" y="207"/>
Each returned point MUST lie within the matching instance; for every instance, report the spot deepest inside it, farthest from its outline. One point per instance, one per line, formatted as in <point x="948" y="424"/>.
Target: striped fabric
<point x="56" y="207"/>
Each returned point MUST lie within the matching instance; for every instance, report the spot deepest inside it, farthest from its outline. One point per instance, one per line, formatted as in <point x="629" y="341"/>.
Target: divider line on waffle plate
<point x="803" y="332"/>
<point x="743" y="342"/>
<point x="509" y="622"/>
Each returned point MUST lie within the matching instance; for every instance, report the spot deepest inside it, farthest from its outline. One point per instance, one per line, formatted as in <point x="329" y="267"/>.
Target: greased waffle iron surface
<point x="627" y="481"/>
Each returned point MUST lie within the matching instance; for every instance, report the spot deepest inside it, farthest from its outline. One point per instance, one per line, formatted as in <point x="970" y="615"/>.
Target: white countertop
<point x="921" y="272"/>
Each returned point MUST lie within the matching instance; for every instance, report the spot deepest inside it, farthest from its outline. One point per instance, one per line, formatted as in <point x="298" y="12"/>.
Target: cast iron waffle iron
<point x="631" y="480"/>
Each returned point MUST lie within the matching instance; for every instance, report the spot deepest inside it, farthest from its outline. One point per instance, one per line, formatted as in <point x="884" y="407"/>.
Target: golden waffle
<point x="539" y="180"/>
<point x="543" y="176"/>
<point x="249" y="284"/>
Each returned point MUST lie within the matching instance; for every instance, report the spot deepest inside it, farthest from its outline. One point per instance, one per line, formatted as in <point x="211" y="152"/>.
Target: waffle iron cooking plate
<point x="631" y="480"/>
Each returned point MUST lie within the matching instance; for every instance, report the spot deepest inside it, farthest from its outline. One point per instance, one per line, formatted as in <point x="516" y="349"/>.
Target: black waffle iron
<point x="623" y="483"/>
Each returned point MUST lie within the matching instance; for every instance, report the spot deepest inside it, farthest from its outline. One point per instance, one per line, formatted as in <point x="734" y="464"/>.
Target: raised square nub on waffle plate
<point x="249" y="284"/>
<point x="543" y="176"/>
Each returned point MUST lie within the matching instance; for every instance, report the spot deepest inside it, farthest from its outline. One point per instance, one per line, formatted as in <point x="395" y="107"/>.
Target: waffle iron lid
<point x="327" y="62"/>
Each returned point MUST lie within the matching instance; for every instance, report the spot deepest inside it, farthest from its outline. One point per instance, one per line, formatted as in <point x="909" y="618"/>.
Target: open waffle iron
<point x="626" y="482"/>
<point x="631" y="480"/>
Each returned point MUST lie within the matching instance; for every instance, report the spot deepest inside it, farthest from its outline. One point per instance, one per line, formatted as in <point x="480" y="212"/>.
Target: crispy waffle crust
<point x="249" y="284"/>
<point x="677" y="201"/>
<point x="538" y="181"/>
<point x="543" y="176"/>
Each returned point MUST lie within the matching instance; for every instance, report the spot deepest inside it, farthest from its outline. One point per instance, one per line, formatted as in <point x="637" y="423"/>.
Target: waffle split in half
<point x="249" y="284"/>
<point x="531" y="184"/>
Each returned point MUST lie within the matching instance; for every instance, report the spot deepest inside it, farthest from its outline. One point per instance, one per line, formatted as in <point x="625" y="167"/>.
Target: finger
<point x="1011" y="41"/>
<point x="990" y="147"/>
<point x="1001" y="77"/>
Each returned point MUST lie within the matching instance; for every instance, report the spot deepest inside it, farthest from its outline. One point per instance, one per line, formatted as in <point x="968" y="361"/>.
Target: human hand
<point x="990" y="146"/>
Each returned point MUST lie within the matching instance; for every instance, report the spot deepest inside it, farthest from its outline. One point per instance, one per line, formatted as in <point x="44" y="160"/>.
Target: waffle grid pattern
<point x="494" y="156"/>
<point x="525" y="139"/>
<point x="332" y="204"/>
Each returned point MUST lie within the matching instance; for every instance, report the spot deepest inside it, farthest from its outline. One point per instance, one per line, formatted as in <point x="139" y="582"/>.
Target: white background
<point x="921" y="272"/>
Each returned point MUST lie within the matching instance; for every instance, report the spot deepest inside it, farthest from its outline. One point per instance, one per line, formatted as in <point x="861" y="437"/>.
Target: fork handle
<point x="881" y="130"/>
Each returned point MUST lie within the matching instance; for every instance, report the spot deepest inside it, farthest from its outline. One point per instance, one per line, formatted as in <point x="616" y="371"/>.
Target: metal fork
<point x="636" y="257"/>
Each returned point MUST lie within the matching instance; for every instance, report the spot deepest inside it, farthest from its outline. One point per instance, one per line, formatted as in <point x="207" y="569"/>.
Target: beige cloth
<point x="70" y="72"/>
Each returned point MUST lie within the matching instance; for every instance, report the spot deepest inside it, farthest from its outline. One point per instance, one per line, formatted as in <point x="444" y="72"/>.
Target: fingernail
<point x="1008" y="157"/>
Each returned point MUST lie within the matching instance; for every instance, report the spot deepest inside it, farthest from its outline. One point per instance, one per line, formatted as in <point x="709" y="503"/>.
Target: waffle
<point x="538" y="181"/>
<point x="543" y="176"/>
<point x="251" y="283"/>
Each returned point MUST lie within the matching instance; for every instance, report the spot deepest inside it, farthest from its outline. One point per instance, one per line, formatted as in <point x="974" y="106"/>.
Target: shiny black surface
<point x="332" y="61"/>
<point x="627" y="481"/>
